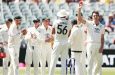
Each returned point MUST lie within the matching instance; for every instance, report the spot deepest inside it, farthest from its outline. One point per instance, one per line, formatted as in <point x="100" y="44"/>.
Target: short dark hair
<point x="96" y="12"/>
<point x="18" y="17"/>
<point x="74" y="21"/>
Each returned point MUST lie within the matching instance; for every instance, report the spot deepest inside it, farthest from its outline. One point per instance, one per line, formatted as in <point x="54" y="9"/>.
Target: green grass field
<point x="105" y="71"/>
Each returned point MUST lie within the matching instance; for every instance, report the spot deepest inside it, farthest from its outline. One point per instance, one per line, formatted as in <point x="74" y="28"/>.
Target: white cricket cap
<point x="62" y="13"/>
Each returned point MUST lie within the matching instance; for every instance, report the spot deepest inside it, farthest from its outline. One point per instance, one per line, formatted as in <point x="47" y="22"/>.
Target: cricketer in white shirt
<point x="4" y="34"/>
<point x="95" y="42"/>
<point x="15" y="37"/>
<point x="76" y="41"/>
<point x="61" y="30"/>
<point x="33" y="51"/>
<point x="46" y="49"/>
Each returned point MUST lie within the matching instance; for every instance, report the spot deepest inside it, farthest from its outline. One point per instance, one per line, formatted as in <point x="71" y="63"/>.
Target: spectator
<point x="110" y="18"/>
<point x="109" y="27"/>
<point x="106" y="1"/>
<point x="114" y="19"/>
<point x="101" y="19"/>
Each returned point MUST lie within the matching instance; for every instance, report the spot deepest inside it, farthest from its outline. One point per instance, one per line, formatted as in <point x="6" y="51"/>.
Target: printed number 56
<point x="62" y="30"/>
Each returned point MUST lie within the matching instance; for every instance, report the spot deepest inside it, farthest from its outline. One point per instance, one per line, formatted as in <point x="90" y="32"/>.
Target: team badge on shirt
<point x="97" y="30"/>
<point x="47" y="36"/>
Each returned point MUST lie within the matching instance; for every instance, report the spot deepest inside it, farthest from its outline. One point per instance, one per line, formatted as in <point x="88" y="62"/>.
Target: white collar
<point x="95" y="24"/>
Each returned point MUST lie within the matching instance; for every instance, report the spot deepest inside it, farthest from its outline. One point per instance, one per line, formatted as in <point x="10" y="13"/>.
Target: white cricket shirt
<point x="62" y="28"/>
<point x="39" y="36"/>
<point x="15" y="36"/>
<point x="75" y="38"/>
<point x="47" y="33"/>
<point x="84" y="34"/>
<point x="94" y="32"/>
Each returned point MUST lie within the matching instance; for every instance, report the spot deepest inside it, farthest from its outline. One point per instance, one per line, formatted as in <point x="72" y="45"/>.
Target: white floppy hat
<point x="62" y="13"/>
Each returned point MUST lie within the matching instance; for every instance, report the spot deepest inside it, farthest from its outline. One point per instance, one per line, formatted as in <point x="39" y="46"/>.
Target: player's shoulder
<point x="101" y="25"/>
<point x="49" y="27"/>
<point x="89" y="22"/>
<point x="41" y="28"/>
<point x="76" y="28"/>
<point x="57" y="21"/>
<point x="12" y="27"/>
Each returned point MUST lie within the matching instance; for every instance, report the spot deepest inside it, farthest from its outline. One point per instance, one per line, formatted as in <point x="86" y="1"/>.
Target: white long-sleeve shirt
<point x="75" y="39"/>
<point x="40" y="36"/>
<point x="94" y="32"/>
<point x="14" y="36"/>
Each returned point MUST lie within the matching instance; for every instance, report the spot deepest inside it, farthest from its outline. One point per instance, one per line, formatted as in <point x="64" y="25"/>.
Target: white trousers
<point x="79" y="63"/>
<point x="6" y="61"/>
<point x="45" y="56"/>
<point x="59" y="50"/>
<point x="94" y="59"/>
<point x="84" y="59"/>
<point x="32" y="54"/>
<point x="14" y="54"/>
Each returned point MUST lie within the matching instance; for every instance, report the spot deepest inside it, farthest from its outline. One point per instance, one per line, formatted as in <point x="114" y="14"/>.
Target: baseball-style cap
<point x="74" y="21"/>
<point x="62" y="13"/>
<point x="77" y="14"/>
<point x="36" y="20"/>
<point x="17" y="17"/>
<point x="110" y="15"/>
<point x="45" y="18"/>
<point x="8" y="20"/>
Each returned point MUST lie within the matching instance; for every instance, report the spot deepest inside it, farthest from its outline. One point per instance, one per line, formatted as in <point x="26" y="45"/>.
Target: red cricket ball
<point x="80" y="2"/>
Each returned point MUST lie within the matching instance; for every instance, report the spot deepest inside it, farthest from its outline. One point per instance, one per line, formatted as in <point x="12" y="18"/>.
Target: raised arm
<point x="79" y="14"/>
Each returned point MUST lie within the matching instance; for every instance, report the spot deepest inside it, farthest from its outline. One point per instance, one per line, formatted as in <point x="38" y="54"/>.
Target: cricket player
<point x="46" y="47"/>
<point x="83" y="28"/>
<point x="61" y="28"/>
<point x="4" y="34"/>
<point x="33" y="52"/>
<point x="14" y="39"/>
<point x="95" y="42"/>
<point x="76" y="42"/>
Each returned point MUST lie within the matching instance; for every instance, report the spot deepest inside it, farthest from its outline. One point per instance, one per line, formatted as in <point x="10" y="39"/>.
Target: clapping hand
<point x="24" y="32"/>
<point x="33" y="35"/>
<point x="5" y="43"/>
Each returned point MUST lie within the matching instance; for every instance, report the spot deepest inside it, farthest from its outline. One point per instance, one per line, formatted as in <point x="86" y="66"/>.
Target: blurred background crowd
<point x="30" y="9"/>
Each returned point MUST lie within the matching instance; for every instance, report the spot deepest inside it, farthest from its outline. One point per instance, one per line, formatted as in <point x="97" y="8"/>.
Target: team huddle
<point x="81" y="35"/>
